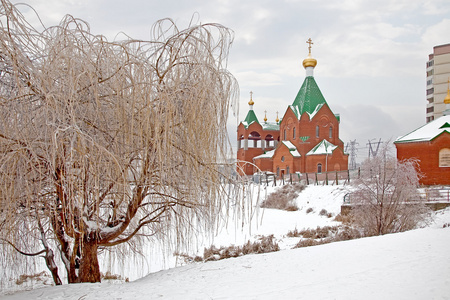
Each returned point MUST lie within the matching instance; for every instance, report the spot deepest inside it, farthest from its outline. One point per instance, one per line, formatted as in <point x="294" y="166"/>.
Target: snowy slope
<point x="410" y="265"/>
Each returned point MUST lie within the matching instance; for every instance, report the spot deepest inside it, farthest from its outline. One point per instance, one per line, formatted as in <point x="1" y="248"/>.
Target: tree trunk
<point x="89" y="268"/>
<point x="50" y="261"/>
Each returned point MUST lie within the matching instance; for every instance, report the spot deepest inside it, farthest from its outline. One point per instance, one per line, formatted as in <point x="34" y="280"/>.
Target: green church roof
<point x="309" y="98"/>
<point x="250" y="118"/>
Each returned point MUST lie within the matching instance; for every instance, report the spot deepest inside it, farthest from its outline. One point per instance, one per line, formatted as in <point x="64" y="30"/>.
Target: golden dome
<point x="309" y="61"/>
<point x="251" y="100"/>
<point x="447" y="98"/>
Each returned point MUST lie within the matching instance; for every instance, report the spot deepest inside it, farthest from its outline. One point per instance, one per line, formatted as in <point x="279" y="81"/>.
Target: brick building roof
<point x="427" y="132"/>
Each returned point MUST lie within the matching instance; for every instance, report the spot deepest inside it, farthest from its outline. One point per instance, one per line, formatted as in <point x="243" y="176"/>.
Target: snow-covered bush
<point x="283" y="198"/>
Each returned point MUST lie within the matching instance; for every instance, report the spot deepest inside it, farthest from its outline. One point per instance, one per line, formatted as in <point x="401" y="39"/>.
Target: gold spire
<point x="447" y="98"/>
<point x="251" y="100"/>
<point x="277" y="120"/>
<point x="265" y="116"/>
<point x="309" y="61"/>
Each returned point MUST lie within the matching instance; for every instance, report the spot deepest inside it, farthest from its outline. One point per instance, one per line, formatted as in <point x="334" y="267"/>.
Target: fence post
<point x="290" y="177"/>
<point x="348" y="175"/>
<point x="316" y="180"/>
<point x="337" y="181"/>
<point x="307" y="179"/>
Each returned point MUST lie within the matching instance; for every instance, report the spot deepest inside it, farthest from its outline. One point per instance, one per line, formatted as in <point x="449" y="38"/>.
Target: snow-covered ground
<point x="409" y="265"/>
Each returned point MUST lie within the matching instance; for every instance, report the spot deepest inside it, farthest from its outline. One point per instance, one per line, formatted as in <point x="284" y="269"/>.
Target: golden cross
<point x="309" y="41"/>
<point x="251" y="94"/>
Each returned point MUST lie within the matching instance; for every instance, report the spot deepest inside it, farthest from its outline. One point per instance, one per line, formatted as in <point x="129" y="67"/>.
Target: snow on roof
<point x="324" y="147"/>
<point x="292" y="148"/>
<point x="427" y="132"/>
<point x="268" y="154"/>
<point x="318" y="107"/>
<point x="270" y="126"/>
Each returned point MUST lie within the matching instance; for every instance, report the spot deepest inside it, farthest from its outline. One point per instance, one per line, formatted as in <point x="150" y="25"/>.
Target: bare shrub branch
<point x="386" y="199"/>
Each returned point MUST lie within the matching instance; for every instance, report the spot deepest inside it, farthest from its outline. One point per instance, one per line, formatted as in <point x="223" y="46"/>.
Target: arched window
<point x="284" y="135"/>
<point x="331" y="132"/>
<point x="287" y="170"/>
<point x="278" y="171"/>
<point x="282" y="158"/>
<point x="317" y="131"/>
<point x="319" y="168"/>
<point x="293" y="133"/>
<point x="444" y="158"/>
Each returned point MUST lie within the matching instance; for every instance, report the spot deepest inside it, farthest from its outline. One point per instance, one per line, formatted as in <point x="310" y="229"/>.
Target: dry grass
<point x="284" y="197"/>
<point x="25" y="277"/>
<point x="324" y="235"/>
<point x="264" y="244"/>
<point x="344" y="219"/>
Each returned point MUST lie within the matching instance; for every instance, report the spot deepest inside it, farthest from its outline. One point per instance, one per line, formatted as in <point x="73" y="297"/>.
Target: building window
<point x="444" y="158"/>
<point x="331" y="132"/>
<point x="430" y="109"/>
<point x="278" y="171"/>
<point x="284" y="135"/>
<point x="282" y="158"/>
<point x="319" y="168"/>
<point x="287" y="170"/>
<point x="317" y="131"/>
<point x="430" y="91"/>
<point x="293" y="133"/>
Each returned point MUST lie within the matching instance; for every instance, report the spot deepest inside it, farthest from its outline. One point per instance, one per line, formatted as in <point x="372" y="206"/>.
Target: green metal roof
<point x="309" y="98"/>
<point x="270" y="126"/>
<point x="250" y="118"/>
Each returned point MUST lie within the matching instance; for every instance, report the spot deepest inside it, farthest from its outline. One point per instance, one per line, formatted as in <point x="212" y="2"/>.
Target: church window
<point x="293" y="133"/>
<point x="444" y="158"/>
<point x="331" y="132"/>
<point x="319" y="168"/>
<point x="284" y="135"/>
<point x="317" y="131"/>
<point x="282" y="158"/>
<point x="287" y="170"/>
<point x="278" y="171"/>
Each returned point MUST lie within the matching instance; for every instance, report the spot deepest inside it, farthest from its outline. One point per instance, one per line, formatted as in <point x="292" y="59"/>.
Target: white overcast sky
<point x="371" y="54"/>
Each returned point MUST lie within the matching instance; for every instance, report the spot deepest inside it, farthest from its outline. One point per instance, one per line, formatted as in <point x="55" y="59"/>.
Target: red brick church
<point x="305" y="140"/>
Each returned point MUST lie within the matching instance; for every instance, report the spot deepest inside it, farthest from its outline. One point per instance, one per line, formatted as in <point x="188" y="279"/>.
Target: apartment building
<point x="438" y="75"/>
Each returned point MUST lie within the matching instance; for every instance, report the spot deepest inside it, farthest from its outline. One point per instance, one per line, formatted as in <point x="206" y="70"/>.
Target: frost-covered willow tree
<point x="104" y="142"/>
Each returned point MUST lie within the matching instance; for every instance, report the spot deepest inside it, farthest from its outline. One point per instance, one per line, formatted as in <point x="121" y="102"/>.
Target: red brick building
<point x="306" y="139"/>
<point x="430" y="145"/>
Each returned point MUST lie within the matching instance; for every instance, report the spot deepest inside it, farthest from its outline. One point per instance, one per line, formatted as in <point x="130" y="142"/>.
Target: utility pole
<point x="371" y="150"/>
<point x="352" y="145"/>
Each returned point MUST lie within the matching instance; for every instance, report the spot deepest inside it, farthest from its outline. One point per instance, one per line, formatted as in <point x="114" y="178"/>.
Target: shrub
<point x="344" y="219"/>
<point x="323" y="212"/>
<point x="309" y="210"/>
<point x="265" y="244"/>
<point x="325" y="235"/>
<point x="283" y="198"/>
<point x="109" y="276"/>
<point x="294" y="233"/>
<point x="307" y="243"/>
<point x="385" y="198"/>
